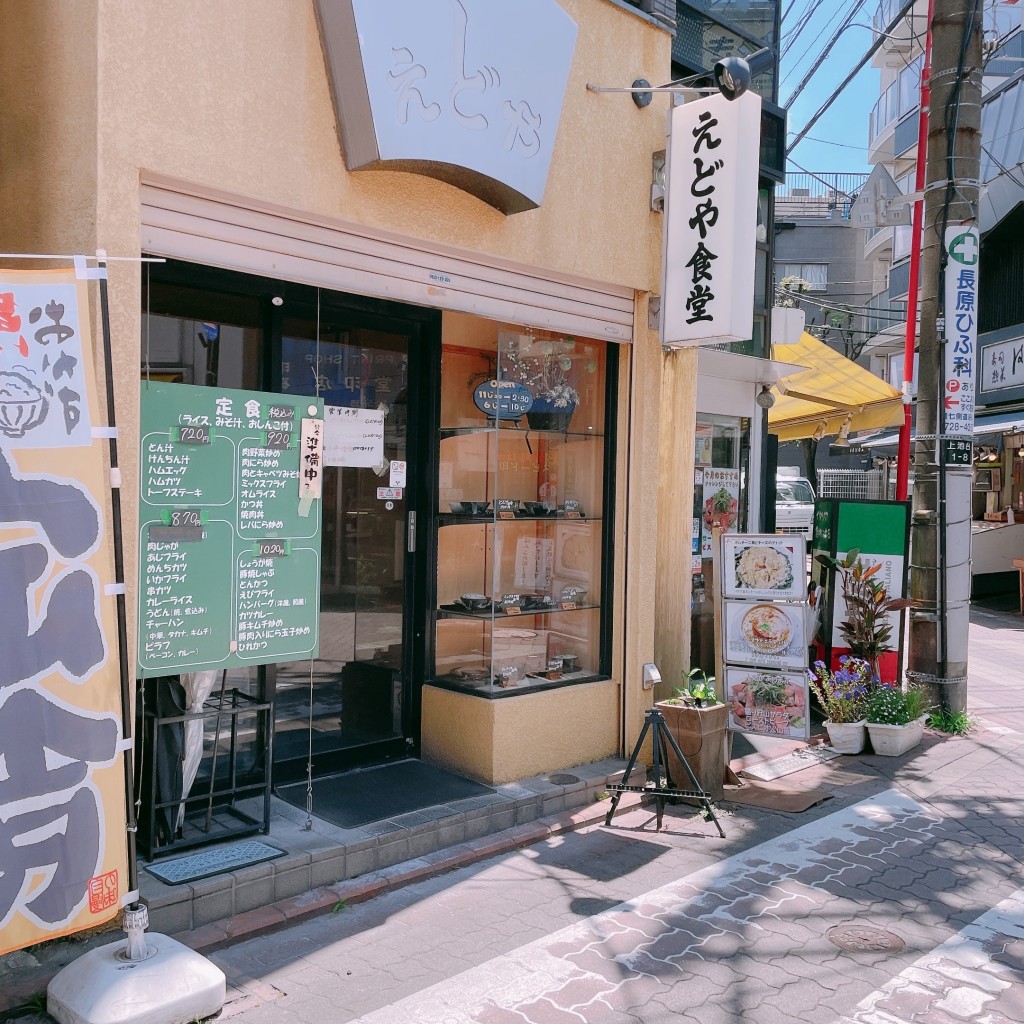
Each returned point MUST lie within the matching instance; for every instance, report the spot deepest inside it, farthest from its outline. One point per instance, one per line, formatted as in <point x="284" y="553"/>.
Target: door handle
<point x="410" y="536"/>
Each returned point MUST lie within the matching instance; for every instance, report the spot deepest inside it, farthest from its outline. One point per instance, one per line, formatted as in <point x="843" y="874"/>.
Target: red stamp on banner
<point x="102" y="892"/>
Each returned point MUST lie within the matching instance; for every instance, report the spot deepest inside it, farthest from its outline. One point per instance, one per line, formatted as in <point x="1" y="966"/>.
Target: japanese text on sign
<point x="235" y="582"/>
<point x="961" y="313"/>
<point x="353" y="437"/>
<point x="1002" y="365"/>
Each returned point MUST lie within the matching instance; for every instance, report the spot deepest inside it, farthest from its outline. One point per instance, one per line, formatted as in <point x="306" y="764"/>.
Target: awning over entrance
<point x="820" y="399"/>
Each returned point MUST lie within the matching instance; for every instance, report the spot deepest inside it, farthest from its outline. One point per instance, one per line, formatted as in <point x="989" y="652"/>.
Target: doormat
<point x="776" y="798"/>
<point x="795" y="762"/>
<point x="358" y="797"/>
<point x="214" y="861"/>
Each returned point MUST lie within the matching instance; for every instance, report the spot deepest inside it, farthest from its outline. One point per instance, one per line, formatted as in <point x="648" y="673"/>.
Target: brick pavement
<point x="624" y="924"/>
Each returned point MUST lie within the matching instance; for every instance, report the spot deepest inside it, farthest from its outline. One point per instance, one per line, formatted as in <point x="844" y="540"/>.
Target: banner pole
<point x="131" y="825"/>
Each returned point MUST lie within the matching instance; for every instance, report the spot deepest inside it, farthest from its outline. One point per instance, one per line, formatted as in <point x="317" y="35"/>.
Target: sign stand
<point x="659" y="737"/>
<point x="149" y="977"/>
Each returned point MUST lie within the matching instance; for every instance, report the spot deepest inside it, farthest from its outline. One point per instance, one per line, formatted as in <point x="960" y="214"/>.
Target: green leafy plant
<point x="891" y="705"/>
<point x="339" y="906"/>
<point x="957" y="723"/>
<point x="698" y="688"/>
<point x="866" y="628"/>
<point x="844" y="693"/>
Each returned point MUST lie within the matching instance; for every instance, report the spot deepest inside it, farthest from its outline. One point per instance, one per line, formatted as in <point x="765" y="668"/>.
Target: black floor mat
<point x="358" y="797"/>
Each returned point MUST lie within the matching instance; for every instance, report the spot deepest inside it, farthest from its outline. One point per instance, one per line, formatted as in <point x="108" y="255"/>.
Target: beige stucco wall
<point x="233" y="95"/>
<point x="510" y="738"/>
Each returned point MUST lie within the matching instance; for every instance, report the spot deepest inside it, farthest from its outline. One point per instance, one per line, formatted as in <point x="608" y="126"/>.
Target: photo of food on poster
<point x="721" y="504"/>
<point x="768" y="635"/>
<point x="767" y="703"/>
<point x="764" y="566"/>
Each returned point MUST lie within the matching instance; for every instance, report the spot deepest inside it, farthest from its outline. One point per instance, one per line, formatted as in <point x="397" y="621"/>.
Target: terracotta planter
<point x="700" y="733"/>
<point x="893" y="740"/>
<point x="847" y="737"/>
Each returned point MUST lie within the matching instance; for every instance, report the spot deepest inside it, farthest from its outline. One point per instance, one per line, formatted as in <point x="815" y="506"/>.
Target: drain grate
<point x="864" y="938"/>
<point x="563" y="780"/>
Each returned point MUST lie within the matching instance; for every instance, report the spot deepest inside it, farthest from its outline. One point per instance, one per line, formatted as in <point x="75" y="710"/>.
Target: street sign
<point x="961" y="338"/>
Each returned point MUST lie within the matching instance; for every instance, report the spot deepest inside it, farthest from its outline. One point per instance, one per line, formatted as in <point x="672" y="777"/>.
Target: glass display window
<point x="521" y="526"/>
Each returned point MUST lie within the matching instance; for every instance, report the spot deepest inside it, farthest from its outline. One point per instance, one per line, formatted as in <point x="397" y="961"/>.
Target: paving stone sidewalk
<point x="625" y="924"/>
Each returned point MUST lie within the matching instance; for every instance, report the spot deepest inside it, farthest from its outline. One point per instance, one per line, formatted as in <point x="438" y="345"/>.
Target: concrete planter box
<point x="893" y="740"/>
<point x="847" y="737"/>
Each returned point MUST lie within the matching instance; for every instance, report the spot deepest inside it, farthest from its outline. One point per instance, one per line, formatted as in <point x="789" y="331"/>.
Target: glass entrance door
<point x="352" y="705"/>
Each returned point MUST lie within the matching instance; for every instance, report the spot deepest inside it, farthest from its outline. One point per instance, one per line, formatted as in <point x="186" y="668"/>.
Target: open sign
<point x="502" y="399"/>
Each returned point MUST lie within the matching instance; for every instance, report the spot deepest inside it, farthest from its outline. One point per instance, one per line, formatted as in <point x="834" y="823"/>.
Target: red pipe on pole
<point x="903" y="451"/>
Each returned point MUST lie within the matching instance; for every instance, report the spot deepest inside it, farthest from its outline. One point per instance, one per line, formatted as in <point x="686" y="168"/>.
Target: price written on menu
<point x="229" y="528"/>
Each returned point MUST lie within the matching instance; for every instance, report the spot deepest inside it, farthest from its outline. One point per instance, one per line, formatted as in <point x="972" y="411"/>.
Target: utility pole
<point x="941" y="525"/>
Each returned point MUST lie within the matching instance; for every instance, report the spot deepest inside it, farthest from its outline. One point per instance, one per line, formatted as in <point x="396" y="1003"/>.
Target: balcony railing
<point x="817" y="195"/>
<point x="899" y="280"/>
<point x="903" y="96"/>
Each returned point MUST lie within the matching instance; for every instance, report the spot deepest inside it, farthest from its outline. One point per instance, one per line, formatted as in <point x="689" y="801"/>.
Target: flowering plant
<point x="544" y="367"/>
<point x="844" y="693"/>
<point x="891" y="705"/>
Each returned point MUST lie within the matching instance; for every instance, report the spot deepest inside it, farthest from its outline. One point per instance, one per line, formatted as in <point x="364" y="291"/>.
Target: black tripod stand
<point x="659" y="773"/>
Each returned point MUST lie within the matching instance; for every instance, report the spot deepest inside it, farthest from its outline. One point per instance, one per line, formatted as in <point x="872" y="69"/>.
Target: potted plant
<point x="896" y="719"/>
<point x="843" y="696"/>
<point x="866" y="628"/>
<point x="698" y="721"/>
<point x="548" y="369"/>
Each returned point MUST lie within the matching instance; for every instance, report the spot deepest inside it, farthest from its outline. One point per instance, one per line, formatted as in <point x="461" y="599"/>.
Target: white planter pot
<point x="846" y="737"/>
<point x="892" y="740"/>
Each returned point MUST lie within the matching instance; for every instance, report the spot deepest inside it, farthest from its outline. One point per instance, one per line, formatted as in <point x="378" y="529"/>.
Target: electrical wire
<point x="822" y="56"/>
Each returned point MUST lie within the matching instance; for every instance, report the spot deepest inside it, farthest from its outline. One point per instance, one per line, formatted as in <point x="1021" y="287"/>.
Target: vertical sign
<point x="63" y="849"/>
<point x="229" y="528"/>
<point x="959" y="370"/>
<point x="711" y="222"/>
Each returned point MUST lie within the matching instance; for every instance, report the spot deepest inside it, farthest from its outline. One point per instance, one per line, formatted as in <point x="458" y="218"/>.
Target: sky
<point x="838" y="141"/>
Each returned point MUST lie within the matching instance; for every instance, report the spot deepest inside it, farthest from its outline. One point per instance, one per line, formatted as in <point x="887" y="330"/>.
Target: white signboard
<point x="534" y="561"/>
<point x="768" y="635"/>
<point x="961" y="295"/>
<point x="766" y="566"/>
<point x="468" y="91"/>
<point x="1002" y="365"/>
<point x="311" y="464"/>
<point x="710" y="221"/>
<point x="353" y="437"/>
<point x="767" y="703"/>
<point x="43" y="383"/>
<point x="721" y="503"/>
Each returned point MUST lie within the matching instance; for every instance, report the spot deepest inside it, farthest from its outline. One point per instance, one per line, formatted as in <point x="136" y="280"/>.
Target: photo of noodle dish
<point x="767" y="628"/>
<point x="761" y="567"/>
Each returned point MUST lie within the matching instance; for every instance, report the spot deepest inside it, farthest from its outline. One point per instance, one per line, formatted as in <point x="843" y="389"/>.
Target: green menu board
<point x="229" y="528"/>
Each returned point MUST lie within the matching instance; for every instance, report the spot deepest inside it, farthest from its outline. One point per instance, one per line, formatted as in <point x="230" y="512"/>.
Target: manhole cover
<point x="563" y="780"/>
<point x="863" y="938"/>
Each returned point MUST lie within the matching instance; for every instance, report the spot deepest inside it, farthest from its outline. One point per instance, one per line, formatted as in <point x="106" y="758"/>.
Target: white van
<point x="794" y="503"/>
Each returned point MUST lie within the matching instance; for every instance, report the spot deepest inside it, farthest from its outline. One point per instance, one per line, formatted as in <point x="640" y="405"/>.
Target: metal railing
<point x="851" y="483"/>
<point x="817" y="194"/>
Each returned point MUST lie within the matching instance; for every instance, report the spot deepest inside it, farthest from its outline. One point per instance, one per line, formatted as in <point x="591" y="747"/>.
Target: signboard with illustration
<point x="63" y="848"/>
<point x="772" y="567"/>
<point x="229" y="528"/>
<point x="721" y="503"/>
<point x="767" y="703"/>
<point x="766" y="635"/>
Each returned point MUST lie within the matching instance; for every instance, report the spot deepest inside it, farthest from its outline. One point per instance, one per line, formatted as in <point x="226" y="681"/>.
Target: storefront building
<point x="388" y="221"/>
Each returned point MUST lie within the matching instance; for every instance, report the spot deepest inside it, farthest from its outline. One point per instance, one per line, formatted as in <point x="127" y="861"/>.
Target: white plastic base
<point x="175" y="985"/>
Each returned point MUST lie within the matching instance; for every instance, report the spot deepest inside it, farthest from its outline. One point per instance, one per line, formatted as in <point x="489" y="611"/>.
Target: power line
<point x="826" y="49"/>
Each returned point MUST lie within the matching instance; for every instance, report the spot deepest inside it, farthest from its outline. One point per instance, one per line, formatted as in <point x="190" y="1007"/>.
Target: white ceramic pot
<point x="893" y="740"/>
<point x="846" y="737"/>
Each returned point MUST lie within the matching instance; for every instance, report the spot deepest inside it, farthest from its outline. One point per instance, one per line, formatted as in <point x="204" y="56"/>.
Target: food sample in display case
<point x="520" y="523"/>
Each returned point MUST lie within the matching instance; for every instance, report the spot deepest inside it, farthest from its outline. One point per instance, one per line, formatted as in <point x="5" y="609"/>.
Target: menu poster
<point x="704" y="436"/>
<point x="767" y="703"/>
<point x="721" y="503"/>
<point x="229" y="544"/>
<point x="767" y="566"/>
<point x="768" y="635"/>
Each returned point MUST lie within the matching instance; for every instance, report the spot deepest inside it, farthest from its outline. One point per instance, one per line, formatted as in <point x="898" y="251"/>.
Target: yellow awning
<point x="831" y="389"/>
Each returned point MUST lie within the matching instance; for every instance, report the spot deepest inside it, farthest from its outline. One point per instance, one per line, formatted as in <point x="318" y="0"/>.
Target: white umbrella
<point x="198" y="687"/>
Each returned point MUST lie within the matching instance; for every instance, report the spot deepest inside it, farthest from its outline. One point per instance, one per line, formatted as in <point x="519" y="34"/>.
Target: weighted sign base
<point x="172" y="985"/>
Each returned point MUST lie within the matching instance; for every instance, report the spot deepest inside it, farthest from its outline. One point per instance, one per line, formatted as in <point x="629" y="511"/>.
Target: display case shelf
<point x="513" y="550"/>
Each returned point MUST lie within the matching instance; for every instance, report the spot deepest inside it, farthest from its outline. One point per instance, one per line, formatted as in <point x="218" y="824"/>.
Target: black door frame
<point x="423" y="327"/>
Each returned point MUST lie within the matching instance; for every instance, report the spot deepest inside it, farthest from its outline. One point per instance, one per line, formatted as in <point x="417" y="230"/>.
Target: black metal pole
<point x="122" y="616"/>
